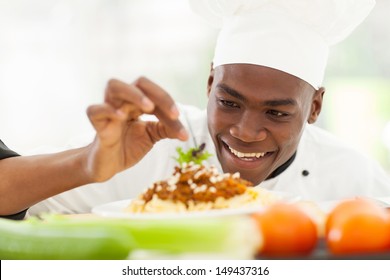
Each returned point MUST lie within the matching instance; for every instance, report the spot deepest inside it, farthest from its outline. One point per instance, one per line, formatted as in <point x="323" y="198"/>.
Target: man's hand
<point x="122" y="139"/>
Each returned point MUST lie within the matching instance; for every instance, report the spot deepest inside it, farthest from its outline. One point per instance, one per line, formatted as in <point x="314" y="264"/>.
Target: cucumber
<point x="232" y="236"/>
<point x="33" y="239"/>
<point x="61" y="237"/>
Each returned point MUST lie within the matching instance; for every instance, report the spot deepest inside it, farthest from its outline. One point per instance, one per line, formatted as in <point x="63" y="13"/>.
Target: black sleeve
<point x="6" y="153"/>
<point x="17" y="216"/>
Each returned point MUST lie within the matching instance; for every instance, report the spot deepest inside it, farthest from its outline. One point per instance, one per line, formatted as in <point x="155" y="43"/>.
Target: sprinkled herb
<point x="195" y="155"/>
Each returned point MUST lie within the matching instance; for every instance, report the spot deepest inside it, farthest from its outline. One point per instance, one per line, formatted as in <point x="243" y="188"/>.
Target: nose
<point x="249" y="129"/>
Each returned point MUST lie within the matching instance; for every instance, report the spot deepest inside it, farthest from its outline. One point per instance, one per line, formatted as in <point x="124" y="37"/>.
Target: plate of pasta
<point x="195" y="190"/>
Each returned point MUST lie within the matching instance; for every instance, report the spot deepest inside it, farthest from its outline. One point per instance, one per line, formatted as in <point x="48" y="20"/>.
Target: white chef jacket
<point x="324" y="169"/>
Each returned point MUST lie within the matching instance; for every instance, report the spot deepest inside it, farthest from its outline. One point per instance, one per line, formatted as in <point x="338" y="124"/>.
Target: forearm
<point x="25" y="181"/>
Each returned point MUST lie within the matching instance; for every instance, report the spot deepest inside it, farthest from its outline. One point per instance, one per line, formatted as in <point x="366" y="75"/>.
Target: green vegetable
<point x="34" y="239"/>
<point x="195" y="155"/>
<point x="235" y="237"/>
<point x="60" y="237"/>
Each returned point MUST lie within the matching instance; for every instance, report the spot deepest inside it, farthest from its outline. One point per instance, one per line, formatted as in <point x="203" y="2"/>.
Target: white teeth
<point x="246" y="155"/>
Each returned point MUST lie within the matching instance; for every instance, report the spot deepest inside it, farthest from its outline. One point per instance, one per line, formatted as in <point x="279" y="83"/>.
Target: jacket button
<point x="305" y="173"/>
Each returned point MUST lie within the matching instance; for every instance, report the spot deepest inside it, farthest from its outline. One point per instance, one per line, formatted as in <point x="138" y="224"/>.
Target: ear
<point x="210" y="80"/>
<point x="316" y="105"/>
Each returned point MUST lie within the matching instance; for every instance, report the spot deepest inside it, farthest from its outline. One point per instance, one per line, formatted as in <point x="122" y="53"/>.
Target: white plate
<point x="116" y="210"/>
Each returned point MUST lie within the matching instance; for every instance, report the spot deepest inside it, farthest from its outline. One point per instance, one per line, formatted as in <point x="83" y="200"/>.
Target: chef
<point x="264" y="93"/>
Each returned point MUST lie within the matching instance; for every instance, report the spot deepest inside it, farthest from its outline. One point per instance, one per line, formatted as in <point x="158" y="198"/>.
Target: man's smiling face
<point x="256" y="116"/>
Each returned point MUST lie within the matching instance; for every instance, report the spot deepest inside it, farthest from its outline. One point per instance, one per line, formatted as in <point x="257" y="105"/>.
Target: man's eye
<point x="228" y="103"/>
<point x="277" y="114"/>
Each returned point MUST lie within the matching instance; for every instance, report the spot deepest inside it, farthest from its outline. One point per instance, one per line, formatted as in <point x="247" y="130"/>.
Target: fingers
<point x="169" y="128"/>
<point x="119" y="93"/>
<point x="165" y="110"/>
<point x="131" y="111"/>
<point x="158" y="131"/>
<point x="144" y="96"/>
<point x="159" y="97"/>
<point x="101" y="115"/>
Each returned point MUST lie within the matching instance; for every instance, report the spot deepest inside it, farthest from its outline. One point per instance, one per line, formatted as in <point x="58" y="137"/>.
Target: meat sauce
<point x="198" y="184"/>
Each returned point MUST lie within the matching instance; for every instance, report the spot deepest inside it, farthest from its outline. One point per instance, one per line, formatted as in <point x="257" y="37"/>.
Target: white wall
<point x="56" y="57"/>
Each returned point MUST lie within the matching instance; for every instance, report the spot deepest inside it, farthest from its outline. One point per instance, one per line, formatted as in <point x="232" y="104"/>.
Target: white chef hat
<point x="289" y="35"/>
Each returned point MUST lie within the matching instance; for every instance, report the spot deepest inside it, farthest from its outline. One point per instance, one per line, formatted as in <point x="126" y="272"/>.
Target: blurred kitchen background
<point x="57" y="55"/>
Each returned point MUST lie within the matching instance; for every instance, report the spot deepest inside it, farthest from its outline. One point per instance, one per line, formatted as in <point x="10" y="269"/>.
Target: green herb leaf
<point x="196" y="155"/>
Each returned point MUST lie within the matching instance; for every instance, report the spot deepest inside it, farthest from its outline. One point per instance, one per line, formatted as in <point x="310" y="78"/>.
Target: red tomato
<point x="358" y="226"/>
<point x="286" y="230"/>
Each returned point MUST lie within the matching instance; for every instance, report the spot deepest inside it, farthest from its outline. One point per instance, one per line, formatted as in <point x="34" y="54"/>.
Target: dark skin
<point x="256" y="117"/>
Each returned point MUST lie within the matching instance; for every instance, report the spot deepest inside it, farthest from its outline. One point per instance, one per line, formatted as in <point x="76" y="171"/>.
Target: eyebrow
<point x="231" y="92"/>
<point x="271" y="103"/>
<point x="280" y="102"/>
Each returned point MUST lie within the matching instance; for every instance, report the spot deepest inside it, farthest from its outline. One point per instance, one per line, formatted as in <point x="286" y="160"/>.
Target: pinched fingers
<point x="158" y="131"/>
<point x="102" y="114"/>
<point x="161" y="99"/>
<point x="144" y="96"/>
<point x="169" y="128"/>
<point x="131" y="111"/>
<point x="165" y="110"/>
<point x="119" y="93"/>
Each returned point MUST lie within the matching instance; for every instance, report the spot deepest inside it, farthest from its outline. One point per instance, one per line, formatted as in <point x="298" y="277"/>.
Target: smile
<point x="248" y="156"/>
